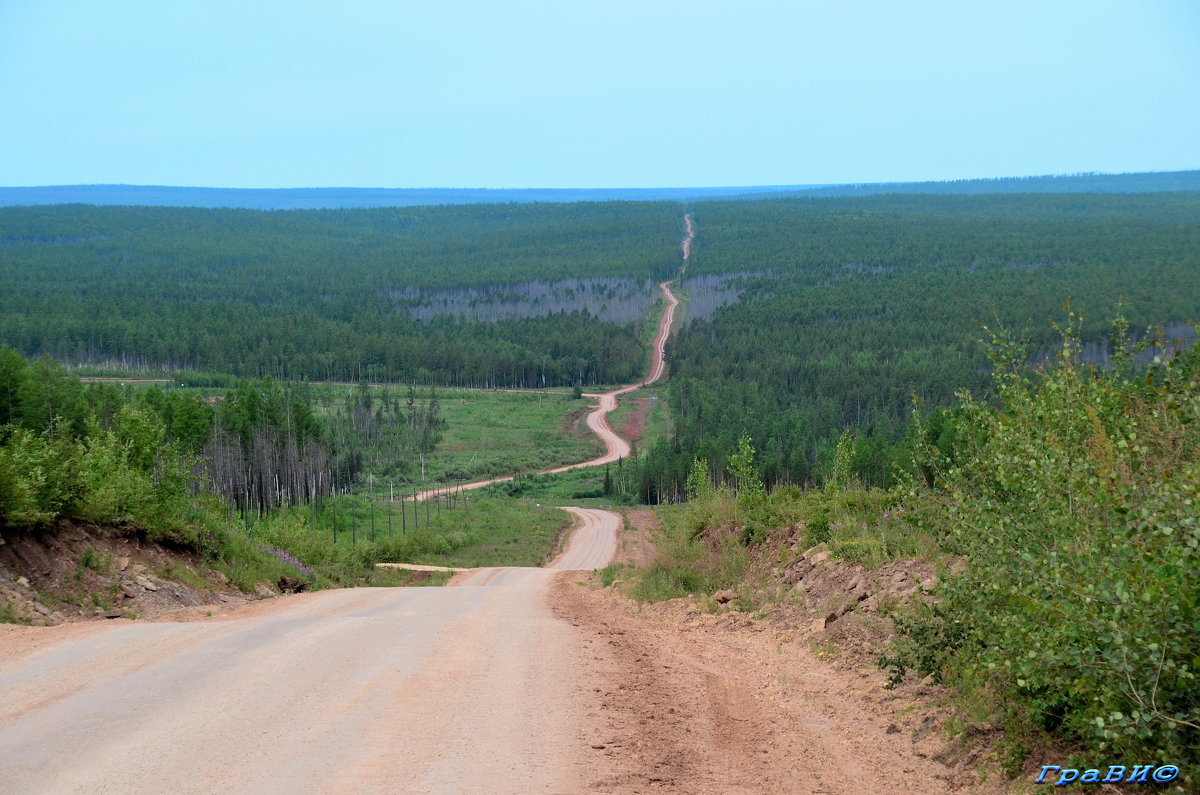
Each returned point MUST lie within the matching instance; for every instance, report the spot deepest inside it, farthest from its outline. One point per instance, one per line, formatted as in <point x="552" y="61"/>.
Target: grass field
<point x="489" y="434"/>
<point x="341" y="540"/>
<point x="583" y="487"/>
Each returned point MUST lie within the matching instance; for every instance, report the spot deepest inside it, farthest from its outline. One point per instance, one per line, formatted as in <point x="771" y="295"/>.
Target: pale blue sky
<point x="531" y="93"/>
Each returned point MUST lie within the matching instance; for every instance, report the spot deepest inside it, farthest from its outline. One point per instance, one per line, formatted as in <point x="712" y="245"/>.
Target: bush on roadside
<point x="1076" y="507"/>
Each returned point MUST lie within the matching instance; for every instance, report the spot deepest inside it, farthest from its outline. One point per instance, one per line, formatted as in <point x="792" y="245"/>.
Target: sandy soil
<point x="635" y="423"/>
<point x="637" y="548"/>
<point x="691" y="702"/>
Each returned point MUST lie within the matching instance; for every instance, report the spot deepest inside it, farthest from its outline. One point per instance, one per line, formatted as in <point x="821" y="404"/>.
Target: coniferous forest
<point x="326" y="295"/>
<point x="831" y="313"/>
<point x="843" y="312"/>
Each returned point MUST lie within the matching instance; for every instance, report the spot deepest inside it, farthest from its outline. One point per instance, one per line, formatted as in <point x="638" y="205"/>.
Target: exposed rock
<point x="23" y="582"/>
<point x="900" y="577"/>
<point x="113" y="613"/>
<point x="291" y="585"/>
<point x="129" y="589"/>
<point x="146" y="582"/>
<point x="264" y="591"/>
<point x="41" y="608"/>
<point x="820" y="557"/>
<point x="122" y="563"/>
<point x="723" y="597"/>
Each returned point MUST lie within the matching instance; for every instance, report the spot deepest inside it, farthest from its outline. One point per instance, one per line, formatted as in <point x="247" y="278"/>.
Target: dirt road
<point x="687" y="240"/>
<point x="615" y="446"/>
<point x="463" y="689"/>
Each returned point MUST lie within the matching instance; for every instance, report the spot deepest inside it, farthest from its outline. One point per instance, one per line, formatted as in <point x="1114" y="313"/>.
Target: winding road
<point x="471" y="688"/>
<point x="615" y="446"/>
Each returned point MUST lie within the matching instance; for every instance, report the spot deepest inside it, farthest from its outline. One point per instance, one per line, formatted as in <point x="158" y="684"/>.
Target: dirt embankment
<point x="690" y="701"/>
<point x="74" y="571"/>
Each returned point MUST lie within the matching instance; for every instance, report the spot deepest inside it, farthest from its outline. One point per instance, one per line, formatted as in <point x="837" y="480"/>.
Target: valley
<point x="776" y="550"/>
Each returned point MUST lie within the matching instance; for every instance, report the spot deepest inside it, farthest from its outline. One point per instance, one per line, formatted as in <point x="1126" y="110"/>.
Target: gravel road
<point x="462" y="689"/>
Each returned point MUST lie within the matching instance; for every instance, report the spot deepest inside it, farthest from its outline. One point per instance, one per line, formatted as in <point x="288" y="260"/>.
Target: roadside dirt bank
<point x="76" y="570"/>
<point x="688" y="701"/>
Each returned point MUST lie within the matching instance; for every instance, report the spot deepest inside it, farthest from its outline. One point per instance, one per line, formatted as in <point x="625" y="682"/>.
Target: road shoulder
<point x="689" y="701"/>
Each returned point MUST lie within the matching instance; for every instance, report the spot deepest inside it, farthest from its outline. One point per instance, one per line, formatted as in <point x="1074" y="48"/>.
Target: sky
<point x="568" y="94"/>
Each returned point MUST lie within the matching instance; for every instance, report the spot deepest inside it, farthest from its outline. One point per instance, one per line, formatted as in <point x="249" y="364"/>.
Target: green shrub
<point x="111" y="488"/>
<point x="99" y="562"/>
<point x="1075" y="506"/>
<point x="41" y="471"/>
<point x="685" y="564"/>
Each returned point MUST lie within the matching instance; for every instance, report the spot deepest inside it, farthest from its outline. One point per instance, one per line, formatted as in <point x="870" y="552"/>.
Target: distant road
<point x="615" y="446"/>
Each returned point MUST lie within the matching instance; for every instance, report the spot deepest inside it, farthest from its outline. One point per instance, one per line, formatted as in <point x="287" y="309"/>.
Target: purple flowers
<point x="290" y="560"/>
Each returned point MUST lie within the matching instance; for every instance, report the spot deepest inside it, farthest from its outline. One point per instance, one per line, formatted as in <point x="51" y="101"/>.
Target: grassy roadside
<point x="340" y="541"/>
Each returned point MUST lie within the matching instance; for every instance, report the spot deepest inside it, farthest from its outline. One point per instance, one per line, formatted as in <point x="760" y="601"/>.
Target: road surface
<point x="462" y="689"/>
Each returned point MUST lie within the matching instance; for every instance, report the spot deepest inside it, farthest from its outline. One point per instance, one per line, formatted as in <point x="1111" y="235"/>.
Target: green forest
<point x="851" y="309"/>
<point x="324" y="295"/>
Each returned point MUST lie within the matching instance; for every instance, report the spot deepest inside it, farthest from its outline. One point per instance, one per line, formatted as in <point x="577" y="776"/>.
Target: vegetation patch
<point x="1038" y="559"/>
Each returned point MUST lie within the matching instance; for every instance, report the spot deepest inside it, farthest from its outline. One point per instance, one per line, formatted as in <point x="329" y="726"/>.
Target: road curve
<point x="615" y="446"/>
<point x="467" y="689"/>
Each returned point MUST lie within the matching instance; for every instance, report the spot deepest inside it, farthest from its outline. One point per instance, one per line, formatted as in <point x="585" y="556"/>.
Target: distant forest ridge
<point x="1146" y="182"/>
<point x="340" y="198"/>
<point x="350" y="198"/>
